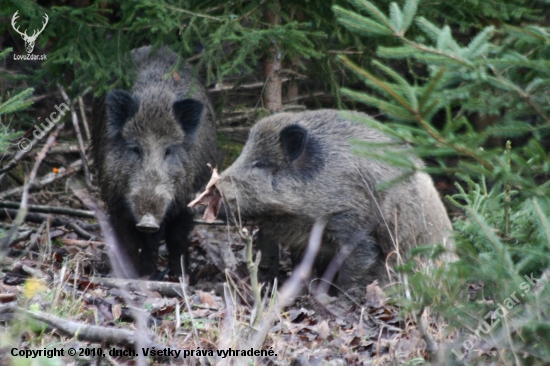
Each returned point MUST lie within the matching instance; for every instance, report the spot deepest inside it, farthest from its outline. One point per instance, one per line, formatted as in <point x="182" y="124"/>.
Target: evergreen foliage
<point x="89" y="45"/>
<point x="16" y="103"/>
<point x="505" y="235"/>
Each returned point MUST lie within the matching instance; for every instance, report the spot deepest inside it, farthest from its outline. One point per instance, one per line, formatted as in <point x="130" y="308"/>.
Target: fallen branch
<point x="20" y="217"/>
<point x="80" y="231"/>
<point x="64" y="149"/>
<point x="80" y="243"/>
<point x="171" y="289"/>
<point x="36" y="218"/>
<point x="74" y="118"/>
<point x="35" y="272"/>
<point x="97" y="334"/>
<point x="74" y="212"/>
<point x="50" y="209"/>
<point x="45" y="180"/>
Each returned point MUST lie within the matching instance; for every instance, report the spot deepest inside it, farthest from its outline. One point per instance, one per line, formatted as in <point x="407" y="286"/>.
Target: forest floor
<point x="56" y="279"/>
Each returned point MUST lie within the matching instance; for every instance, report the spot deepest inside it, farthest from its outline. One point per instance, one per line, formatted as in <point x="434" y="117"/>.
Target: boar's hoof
<point x="148" y="224"/>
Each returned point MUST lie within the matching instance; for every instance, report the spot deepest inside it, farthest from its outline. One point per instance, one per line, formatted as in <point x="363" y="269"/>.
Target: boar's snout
<point x="149" y="201"/>
<point x="148" y="224"/>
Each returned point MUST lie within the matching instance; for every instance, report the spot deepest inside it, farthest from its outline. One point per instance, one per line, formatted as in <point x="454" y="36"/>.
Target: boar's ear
<point x="121" y="106"/>
<point x="188" y="112"/>
<point x="293" y="141"/>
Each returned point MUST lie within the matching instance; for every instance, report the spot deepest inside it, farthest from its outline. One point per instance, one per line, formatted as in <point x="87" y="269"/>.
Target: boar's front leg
<point x="269" y="261"/>
<point x="357" y="261"/>
<point x="130" y="241"/>
<point x="176" y="234"/>
<point x="364" y="264"/>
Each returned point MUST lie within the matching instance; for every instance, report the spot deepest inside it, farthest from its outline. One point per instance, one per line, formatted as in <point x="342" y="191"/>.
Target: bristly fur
<point x="297" y="168"/>
<point x="152" y="145"/>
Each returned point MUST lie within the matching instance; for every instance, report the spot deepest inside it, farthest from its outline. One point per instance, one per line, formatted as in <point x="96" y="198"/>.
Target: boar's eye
<point x="136" y="150"/>
<point x="260" y="164"/>
<point x="168" y="152"/>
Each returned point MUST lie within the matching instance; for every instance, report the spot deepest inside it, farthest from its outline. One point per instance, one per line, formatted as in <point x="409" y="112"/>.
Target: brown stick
<point x="7" y="213"/>
<point x="76" y="242"/>
<point x="83" y="116"/>
<point x="64" y="149"/>
<point x="74" y="118"/>
<point x="80" y="231"/>
<point x="96" y="334"/>
<point x="50" y="209"/>
<point x="75" y="212"/>
<point x="164" y="288"/>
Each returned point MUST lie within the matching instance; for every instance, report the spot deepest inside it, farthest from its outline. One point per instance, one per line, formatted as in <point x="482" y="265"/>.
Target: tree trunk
<point x="272" y="94"/>
<point x="292" y="86"/>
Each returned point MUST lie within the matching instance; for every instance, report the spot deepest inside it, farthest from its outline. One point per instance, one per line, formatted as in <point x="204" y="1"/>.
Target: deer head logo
<point x="29" y="40"/>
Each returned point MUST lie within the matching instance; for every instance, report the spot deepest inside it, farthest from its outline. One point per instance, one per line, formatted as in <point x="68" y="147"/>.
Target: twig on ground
<point x="10" y="307"/>
<point x="21" y="235"/>
<point x="51" y="209"/>
<point x="76" y="242"/>
<point x="20" y="217"/>
<point x="7" y="213"/>
<point x="35" y="272"/>
<point x="74" y="118"/>
<point x="97" y="334"/>
<point x="64" y="149"/>
<point x="215" y="223"/>
<point x="47" y="179"/>
<point x="431" y="346"/>
<point x="76" y="212"/>
<point x="83" y="116"/>
<point x="80" y="231"/>
<point x="171" y="289"/>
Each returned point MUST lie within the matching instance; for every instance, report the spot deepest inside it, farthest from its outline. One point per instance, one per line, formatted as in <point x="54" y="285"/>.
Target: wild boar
<point x="152" y="145"/>
<point x="297" y="168"/>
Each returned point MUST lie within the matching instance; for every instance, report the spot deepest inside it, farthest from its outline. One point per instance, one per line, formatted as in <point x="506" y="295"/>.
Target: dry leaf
<point x="211" y="198"/>
<point x="207" y="299"/>
<point x="375" y="295"/>
<point x="167" y="327"/>
<point x="323" y="330"/>
<point x="117" y="311"/>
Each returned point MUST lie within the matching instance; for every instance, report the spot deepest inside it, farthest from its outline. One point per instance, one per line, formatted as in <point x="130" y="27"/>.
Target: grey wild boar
<point x="297" y="168"/>
<point x="152" y="145"/>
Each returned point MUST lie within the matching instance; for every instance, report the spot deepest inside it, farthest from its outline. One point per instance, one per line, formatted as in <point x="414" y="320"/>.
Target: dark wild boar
<point x="297" y="168"/>
<point x="152" y="146"/>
